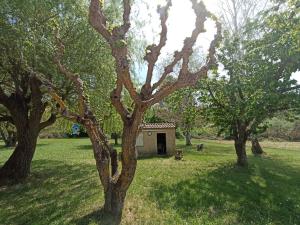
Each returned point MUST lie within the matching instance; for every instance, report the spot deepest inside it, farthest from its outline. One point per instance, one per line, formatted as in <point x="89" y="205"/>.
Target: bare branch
<point x="98" y="20"/>
<point x="185" y="77"/>
<point x="116" y="100"/>
<point x="201" y="15"/>
<point x="153" y="51"/>
<point x="117" y="43"/>
<point x="120" y="32"/>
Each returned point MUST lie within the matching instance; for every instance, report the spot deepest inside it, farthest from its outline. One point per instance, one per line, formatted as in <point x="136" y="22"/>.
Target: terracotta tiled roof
<point x="157" y="125"/>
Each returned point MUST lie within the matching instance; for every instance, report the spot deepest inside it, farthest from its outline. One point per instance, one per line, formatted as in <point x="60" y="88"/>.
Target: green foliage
<point x="183" y="103"/>
<point x="28" y="38"/>
<point x="279" y="128"/>
<point x="151" y="116"/>
<point x="258" y="81"/>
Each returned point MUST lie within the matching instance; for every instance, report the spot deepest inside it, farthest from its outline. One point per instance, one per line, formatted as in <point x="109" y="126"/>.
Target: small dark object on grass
<point x="178" y="155"/>
<point x="200" y="147"/>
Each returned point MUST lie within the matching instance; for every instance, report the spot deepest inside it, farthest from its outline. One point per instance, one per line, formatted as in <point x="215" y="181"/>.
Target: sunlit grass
<point x="203" y="188"/>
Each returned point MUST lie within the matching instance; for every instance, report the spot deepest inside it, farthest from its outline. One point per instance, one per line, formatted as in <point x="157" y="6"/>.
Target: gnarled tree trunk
<point x="256" y="148"/>
<point x="240" y="149"/>
<point x="240" y="140"/>
<point x="115" y="196"/>
<point x="115" y="184"/>
<point x="17" y="167"/>
<point x="27" y="116"/>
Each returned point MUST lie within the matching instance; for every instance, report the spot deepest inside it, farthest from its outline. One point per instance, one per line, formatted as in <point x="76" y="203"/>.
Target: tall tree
<point x="116" y="184"/>
<point x="150" y="94"/>
<point x="27" y="47"/>
<point x="258" y="82"/>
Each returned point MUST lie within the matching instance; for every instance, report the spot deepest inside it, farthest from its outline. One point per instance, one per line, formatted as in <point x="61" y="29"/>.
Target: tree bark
<point x="27" y="115"/>
<point x="188" y="139"/>
<point x="115" y="190"/>
<point x="115" y="197"/>
<point x="17" y="167"/>
<point x="240" y="140"/>
<point x="115" y="185"/>
<point x="240" y="148"/>
<point x="256" y="148"/>
<point x="114" y="202"/>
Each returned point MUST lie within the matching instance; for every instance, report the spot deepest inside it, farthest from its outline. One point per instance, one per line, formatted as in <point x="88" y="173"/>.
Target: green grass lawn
<point x="204" y="188"/>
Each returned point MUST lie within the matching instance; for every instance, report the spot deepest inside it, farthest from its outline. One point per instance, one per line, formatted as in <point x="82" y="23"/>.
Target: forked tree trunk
<point x="256" y="148"/>
<point x="115" y="184"/>
<point x="115" y="197"/>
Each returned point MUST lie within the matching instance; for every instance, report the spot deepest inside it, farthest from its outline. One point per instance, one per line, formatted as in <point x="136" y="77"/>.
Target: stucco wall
<point x="150" y="141"/>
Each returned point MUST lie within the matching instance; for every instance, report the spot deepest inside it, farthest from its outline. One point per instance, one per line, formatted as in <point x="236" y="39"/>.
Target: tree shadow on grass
<point x="97" y="217"/>
<point x="54" y="193"/>
<point x="3" y="147"/>
<point x="42" y="144"/>
<point x="90" y="147"/>
<point x="265" y="192"/>
<point x="154" y="156"/>
<point x="84" y="147"/>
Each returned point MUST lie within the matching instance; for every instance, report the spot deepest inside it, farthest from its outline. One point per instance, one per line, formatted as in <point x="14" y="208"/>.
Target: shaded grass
<point x="203" y="188"/>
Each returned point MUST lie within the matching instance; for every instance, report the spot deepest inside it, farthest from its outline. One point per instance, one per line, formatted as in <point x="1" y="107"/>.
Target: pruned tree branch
<point x="117" y="101"/>
<point x="98" y="20"/>
<point x="153" y="51"/>
<point x="117" y="42"/>
<point x="186" y="78"/>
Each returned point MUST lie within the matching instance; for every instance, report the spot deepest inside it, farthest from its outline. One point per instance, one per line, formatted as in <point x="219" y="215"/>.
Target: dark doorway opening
<point x="161" y="144"/>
